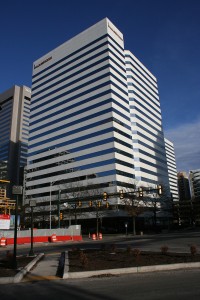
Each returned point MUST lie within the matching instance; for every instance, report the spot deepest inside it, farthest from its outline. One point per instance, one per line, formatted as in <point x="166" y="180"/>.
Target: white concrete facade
<point x="147" y="133"/>
<point x="82" y="126"/>
<point x="172" y="170"/>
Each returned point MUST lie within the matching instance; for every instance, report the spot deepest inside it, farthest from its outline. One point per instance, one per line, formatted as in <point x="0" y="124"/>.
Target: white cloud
<point x="186" y="139"/>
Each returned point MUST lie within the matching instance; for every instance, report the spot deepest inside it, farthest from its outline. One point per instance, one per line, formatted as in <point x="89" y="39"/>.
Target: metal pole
<point x="15" y="236"/>
<point x="97" y="215"/>
<point x="75" y="215"/>
<point x="59" y="209"/>
<point x="31" y="253"/>
<point x="133" y="217"/>
<point x="50" y="206"/>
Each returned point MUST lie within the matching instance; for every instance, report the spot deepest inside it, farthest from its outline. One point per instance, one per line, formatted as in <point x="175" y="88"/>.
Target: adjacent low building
<point x="183" y="186"/>
<point x="14" y="128"/>
<point x="194" y="177"/>
<point x="172" y="170"/>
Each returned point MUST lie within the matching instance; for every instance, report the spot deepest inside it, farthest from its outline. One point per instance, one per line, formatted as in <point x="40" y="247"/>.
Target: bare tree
<point x="133" y="206"/>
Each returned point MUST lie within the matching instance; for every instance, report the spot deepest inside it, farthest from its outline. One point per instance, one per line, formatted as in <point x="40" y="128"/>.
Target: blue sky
<point x="163" y="34"/>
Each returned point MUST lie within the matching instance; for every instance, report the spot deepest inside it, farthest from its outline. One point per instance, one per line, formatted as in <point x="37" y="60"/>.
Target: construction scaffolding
<point x="6" y="204"/>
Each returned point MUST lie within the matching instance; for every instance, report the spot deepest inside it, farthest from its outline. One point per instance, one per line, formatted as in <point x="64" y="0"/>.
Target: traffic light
<point x="121" y="194"/>
<point x="107" y="205"/>
<point x="90" y="203"/>
<point x="61" y="216"/>
<point x="79" y="203"/>
<point x="159" y="187"/>
<point x="105" y="196"/>
<point x="99" y="203"/>
<point x="140" y="190"/>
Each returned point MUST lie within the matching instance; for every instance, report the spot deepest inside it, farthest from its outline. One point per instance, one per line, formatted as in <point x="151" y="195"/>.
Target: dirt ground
<point x="88" y="260"/>
<point x="6" y="265"/>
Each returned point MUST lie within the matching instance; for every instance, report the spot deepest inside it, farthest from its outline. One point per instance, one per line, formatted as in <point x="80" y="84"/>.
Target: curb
<point x="19" y="276"/>
<point x="87" y="274"/>
<point x="133" y="270"/>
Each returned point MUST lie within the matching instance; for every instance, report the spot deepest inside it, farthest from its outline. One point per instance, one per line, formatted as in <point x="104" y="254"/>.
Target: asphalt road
<point x="182" y="284"/>
<point x="176" y="242"/>
<point x="155" y="286"/>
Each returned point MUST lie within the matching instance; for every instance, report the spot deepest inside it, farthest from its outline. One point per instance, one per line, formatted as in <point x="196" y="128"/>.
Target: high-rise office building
<point x="183" y="186"/>
<point x="148" y="141"/>
<point x="194" y="178"/>
<point x="14" y="125"/>
<point x="172" y="171"/>
<point x="94" y="108"/>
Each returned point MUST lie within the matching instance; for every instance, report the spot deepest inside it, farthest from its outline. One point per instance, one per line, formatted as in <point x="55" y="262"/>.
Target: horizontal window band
<point x="153" y="165"/>
<point x="145" y="108"/>
<point x="156" y="107"/>
<point x="148" y="83"/>
<point x="78" y="121"/>
<point x="160" y="145"/>
<point x="157" y="121"/>
<point x="138" y="89"/>
<point x="152" y="156"/>
<point x="68" y="77"/>
<point x="84" y="62"/>
<point x="154" y="173"/>
<point x="75" y="89"/>
<point x="158" y="135"/>
<point x="147" y="74"/>
<point x="70" y="55"/>
<point x="81" y="138"/>
<point x="78" y="158"/>
<point x="76" y="52"/>
<point x="83" y="177"/>
<point x="147" y="123"/>
<point x="105" y="84"/>
<point x="84" y="147"/>
<point x="132" y="83"/>
<point x="151" y="148"/>
<point x="80" y="168"/>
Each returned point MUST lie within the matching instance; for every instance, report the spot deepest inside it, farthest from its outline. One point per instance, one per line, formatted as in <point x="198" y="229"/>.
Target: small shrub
<point x="113" y="248"/>
<point x="9" y="257"/>
<point x="136" y="253"/>
<point x="193" y="249"/>
<point x="74" y="249"/>
<point x="164" y="249"/>
<point x="128" y="249"/>
<point x="83" y="259"/>
<point x="103" y="247"/>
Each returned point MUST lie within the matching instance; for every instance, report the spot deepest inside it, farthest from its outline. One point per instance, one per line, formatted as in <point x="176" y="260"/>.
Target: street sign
<point x="4" y="221"/>
<point x="17" y="190"/>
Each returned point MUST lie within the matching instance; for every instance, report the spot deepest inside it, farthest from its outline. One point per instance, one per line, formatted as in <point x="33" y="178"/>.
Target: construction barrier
<point x="53" y="238"/>
<point x="73" y="232"/>
<point x="100" y="236"/>
<point x="94" y="237"/>
<point x="3" y="242"/>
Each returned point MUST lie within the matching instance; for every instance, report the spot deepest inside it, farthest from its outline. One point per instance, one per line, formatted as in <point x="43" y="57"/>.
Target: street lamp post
<point x="50" y="192"/>
<point x="16" y="190"/>
<point x="32" y="204"/>
<point x="59" y="209"/>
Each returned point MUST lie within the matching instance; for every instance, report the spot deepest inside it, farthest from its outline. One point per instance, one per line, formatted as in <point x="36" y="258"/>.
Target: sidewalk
<point x="45" y="269"/>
